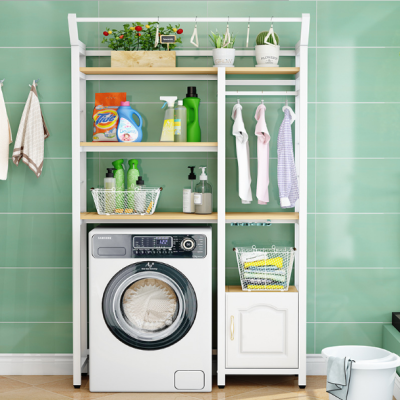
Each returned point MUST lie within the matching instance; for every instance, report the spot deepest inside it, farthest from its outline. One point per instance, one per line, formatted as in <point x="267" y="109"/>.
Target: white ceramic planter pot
<point x="224" y="57"/>
<point x="267" y="55"/>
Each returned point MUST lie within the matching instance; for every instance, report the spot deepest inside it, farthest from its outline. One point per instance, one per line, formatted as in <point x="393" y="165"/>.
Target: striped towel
<point x="254" y="275"/>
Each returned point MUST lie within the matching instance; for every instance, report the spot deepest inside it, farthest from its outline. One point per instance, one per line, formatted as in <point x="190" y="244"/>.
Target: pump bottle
<point x="203" y="195"/>
<point x="140" y="196"/>
<point x="109" y="195"/>
<point x="167" y="134"/>
<point x="188" y="194"/>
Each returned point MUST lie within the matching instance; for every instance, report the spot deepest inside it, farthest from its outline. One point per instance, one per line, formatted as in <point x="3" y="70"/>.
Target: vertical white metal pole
<point x="76" y="207"/>
<point x="221" y="228"/>
<point x="302" y="234"/>
<point x="83" y="234"/>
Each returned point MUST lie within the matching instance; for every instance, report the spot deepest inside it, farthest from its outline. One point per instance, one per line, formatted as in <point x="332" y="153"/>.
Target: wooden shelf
<point x="277" y="217"/>
<point x="157" y="217"/>
<point x="180" y="217"/>
<point x="188" y="71"/>
<point x="149" y="147"/>
<point x="238" y="289"/>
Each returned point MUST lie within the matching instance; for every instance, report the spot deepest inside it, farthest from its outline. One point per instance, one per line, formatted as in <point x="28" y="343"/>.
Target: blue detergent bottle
<point x="128" y="130"/>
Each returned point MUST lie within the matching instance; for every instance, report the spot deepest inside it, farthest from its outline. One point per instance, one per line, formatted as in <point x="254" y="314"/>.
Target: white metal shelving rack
<point x="80" y="74"/>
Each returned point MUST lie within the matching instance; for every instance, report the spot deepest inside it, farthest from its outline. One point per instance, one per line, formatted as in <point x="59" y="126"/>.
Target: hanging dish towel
<point x="262" y="155"/>
<point x="29" y="144"/>
<point x="287" y="176"/>
<point x="338" y="376"/>
<point x="5" y="138"/>
<point x="242" y="154"/>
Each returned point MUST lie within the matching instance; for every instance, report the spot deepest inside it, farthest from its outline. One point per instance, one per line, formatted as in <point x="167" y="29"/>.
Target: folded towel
<point x="5" y="138"/>
<point x="253" y="256"/>
<point x="253" y="275"/>
<point x="32" y="131"/>
<point x="259" y="281"/>
<point x="338" y="376"/>
<point x="265" y="287"/>
<point x="277" y="261"/>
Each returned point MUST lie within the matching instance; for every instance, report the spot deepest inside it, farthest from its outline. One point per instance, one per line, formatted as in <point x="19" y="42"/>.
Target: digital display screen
<point x="152" y="242"/>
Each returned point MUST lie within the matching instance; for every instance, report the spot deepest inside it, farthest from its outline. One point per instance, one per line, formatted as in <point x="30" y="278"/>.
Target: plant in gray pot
<point x="267" y="49"/>
<point x="223" y="53"/>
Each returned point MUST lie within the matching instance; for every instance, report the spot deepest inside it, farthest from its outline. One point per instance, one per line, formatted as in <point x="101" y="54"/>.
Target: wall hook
<point x="248" y="33"/>
<point x="238" y="101"/>
<point x="194" y="40"/>
<point x="2" y="81"/>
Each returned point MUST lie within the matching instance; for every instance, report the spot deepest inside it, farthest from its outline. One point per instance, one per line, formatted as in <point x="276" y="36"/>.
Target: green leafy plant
<point x="140" y="37"/>
<point x="217" y="40"/>
<point x="261" y="37"/>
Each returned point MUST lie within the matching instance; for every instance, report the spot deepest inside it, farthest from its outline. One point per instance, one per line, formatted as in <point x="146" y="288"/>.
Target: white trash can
<point x="373" y="373"/>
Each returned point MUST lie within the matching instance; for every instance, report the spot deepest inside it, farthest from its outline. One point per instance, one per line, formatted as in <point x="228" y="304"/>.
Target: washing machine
<point x="150" y="298"/>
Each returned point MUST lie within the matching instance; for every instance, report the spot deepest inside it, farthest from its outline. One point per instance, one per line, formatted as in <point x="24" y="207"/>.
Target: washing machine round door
<point x="149" y="305"/>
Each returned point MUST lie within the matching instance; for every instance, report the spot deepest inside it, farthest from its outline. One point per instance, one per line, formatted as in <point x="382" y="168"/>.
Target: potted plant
<point x="267" y="49"/>
<point x="223" y="53"/>
<point x="133" y="46"/>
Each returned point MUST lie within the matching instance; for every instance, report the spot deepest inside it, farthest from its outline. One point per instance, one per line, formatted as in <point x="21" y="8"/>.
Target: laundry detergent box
<point x="105" y="116"/>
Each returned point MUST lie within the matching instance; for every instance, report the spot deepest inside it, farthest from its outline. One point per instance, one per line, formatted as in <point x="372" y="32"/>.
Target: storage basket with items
<point x="265" y="268"/>
<point x="140" y="201"/>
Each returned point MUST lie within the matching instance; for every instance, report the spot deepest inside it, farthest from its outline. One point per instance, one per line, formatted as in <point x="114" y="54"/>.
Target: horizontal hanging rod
<point x="149" y="77"/>
<point x="262" y="93"/>
<point x="192" y="19"/>
<point x="197" y="53"/>
<point x="260" y="82"/>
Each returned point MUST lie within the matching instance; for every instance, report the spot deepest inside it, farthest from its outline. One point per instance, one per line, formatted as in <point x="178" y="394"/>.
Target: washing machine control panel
<point x="169" y="246"/>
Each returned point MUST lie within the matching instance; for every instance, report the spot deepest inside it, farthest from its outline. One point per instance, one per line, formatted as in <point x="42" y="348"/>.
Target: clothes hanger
<point x="227" y="36"/>
<point x="248" y="33"/>
<point x="194" y="40"/>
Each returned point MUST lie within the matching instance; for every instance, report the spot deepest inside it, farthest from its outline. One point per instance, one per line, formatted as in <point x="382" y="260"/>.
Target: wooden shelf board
<point x="148" y="144"/>
<point x="176" y="217"/>
<point x="261" y="216"/>
<point x="188" y="71"/>
<point x="238" y="289"/>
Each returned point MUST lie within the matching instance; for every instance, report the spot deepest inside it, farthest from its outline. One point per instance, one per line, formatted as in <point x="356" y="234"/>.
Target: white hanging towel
<point x="263" y="139"/>
<point x="29" y="144"/>
<point x="5" y="138"/>
<point x="242" y="154"/>
<point x="287" y="175"/>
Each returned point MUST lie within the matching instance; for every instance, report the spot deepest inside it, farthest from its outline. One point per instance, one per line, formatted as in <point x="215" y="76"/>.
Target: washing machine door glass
<point x="149" y="305"/>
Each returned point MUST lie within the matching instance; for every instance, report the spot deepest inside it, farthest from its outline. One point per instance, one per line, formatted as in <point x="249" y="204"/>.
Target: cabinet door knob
<point x="232" y="328"/>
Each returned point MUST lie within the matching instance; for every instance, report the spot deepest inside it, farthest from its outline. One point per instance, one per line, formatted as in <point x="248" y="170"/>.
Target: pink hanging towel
<point x="262" y="155"/>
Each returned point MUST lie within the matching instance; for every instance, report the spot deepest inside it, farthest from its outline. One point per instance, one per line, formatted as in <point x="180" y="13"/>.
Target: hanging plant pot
<point x="143" y="59"/>
<point x="224" y="57"/>
<point x="267" y="55"/>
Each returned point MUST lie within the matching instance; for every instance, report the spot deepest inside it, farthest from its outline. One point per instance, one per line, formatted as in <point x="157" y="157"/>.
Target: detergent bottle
<point x="128" y="130"/>
<point x="192" y="103"/>
<point x="133" y="175"/>
<point x="119" y="175"/>
<point x="168" y="131"/>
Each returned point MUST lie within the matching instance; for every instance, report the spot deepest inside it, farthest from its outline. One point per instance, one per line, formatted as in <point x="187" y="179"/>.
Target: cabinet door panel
<point x="262" y="330"/>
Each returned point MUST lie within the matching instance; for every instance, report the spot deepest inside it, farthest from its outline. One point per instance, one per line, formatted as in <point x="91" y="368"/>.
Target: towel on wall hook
<point x="263" y="139"/>
<point x="242" y="154"/>
<point x="5" y="136"/>
<point x="32" y="131"/>
<point x="287" y="175"/>
<point x="194" y="40"/>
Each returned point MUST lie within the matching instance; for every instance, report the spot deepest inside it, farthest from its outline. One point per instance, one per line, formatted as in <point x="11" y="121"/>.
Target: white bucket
<point x="267" y="55"/>
<point x="373" y="373"/>
<point x="224" y="57"/>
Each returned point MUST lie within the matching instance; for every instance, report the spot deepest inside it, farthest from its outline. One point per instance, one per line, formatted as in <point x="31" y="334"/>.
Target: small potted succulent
<point x="223" y="53"/>
<point x="267" y="49"/>
<point x="133" y="46"/>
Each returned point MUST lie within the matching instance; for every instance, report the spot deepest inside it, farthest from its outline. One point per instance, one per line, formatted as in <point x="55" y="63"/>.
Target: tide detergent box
<point x="105" y="116"/>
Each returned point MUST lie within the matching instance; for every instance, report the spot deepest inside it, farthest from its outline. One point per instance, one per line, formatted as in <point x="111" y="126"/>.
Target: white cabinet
<point x="262" y="329"/>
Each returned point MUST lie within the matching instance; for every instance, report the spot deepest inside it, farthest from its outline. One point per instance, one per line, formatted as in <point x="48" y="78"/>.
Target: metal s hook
<point x="194" y="40"/>
<point x="286" y="102"/>
<point x="248" y="33"/>
<point x="238" y="101"/>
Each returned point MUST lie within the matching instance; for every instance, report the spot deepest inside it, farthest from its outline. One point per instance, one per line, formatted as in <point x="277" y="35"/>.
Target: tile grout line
<point x="315" y="176"/>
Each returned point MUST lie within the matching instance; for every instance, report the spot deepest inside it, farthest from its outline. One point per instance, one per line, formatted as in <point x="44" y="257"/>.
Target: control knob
<point x="188" y="244"/>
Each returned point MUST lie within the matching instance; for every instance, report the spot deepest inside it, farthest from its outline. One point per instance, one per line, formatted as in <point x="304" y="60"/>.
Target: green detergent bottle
<point x="119" y="176"/>
<point x="192" y="103"/>
<point x="132" y="177"/>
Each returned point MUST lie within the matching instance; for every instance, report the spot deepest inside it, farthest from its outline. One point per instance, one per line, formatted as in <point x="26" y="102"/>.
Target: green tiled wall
<point x="353" y="166"/>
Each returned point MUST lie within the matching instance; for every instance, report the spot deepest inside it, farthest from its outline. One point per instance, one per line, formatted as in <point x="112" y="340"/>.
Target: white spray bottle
<point x="167" y="134"/>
